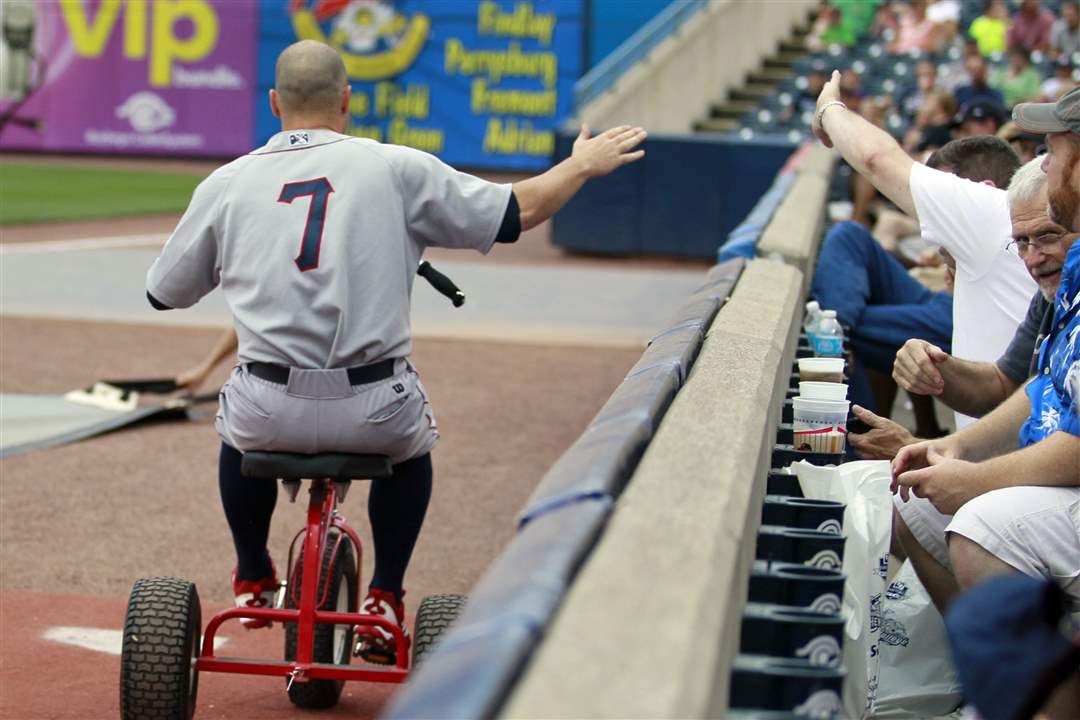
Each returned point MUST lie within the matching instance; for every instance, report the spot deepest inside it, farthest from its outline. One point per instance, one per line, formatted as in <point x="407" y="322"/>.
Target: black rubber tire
<point x="322" y="694"/>
<point x="162" y="640"/>
<point x="435" y="614"/>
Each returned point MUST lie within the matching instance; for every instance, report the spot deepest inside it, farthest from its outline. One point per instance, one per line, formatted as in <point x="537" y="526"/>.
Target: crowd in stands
<point x="988" y="514"/>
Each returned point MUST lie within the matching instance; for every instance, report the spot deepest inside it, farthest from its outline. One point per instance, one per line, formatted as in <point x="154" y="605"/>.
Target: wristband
<point x="826" y="106"/>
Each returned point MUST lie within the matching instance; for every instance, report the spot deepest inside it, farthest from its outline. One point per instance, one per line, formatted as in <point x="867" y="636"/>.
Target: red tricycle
<point x="164" y="648"/>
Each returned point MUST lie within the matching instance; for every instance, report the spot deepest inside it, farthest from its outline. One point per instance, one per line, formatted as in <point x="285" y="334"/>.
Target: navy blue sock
<point x="396" y="509"/>
<point x="249" y="505"/>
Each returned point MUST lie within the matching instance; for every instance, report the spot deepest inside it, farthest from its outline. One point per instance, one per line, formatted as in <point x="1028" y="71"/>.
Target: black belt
<point x="359" y="375"/>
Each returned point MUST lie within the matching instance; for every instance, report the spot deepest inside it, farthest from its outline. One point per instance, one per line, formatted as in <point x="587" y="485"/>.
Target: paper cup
<point x="823" y="390"/>
<point x="819" y="426"/>
<point x="821" y="370"/>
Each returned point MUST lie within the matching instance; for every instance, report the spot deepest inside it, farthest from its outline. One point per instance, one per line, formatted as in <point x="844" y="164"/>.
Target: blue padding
<point x="470" y="672"/>
<point x="597" y="465"/>
<point x="676" y="349"/>
<point x="742" y="241"/>
<point x="469" y="680"/>
<point x="527" y="581"/>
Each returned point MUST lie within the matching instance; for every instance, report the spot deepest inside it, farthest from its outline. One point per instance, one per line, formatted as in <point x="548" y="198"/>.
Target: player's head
<point x="311" y="87"/>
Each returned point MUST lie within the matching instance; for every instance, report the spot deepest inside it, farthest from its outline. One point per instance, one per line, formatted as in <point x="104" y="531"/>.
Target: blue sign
<point x="479" y="83"/>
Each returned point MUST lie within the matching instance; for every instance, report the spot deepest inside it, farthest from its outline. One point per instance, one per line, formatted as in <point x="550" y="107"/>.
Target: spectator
<point x="1061" y="82"/>
<point x="989" y="29"/>
<point x="806" y="100"/>
<point x="978" y="118"/>
<point x="1061" y="123"/>
<point x="946" y="15"/>
<point x="829" y="29"/>
<point x="916" y="31"/>
<point x="1018" y="82"/>
<point x="1065" y="34"/>
<point x="925" y="83"/>
<point x="1030" y="655"/>
<point x="954" y="74"/>
<point x="1025" y="144"/>
<point x="933" y="125"/>
<point x="886" y="22"/>
<point x="1030" y="29"/>
<point x="977" y="88"/>
<point x="969" y="219"/>
<point x="976" y="388"/>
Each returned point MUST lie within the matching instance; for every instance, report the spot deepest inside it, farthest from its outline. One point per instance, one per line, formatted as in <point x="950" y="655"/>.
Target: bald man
<point x="314" y="239"/>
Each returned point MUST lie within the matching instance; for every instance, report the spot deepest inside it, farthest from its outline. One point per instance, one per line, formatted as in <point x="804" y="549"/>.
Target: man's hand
<point x="883" y="441"/>
<point x="193" y="378"/>
<point x="946" y="482"/>
<point x="917" y="457"/>
<point x="830" y="92"/>
<point x="916" y="367"/>
<point x="607" y="151"/>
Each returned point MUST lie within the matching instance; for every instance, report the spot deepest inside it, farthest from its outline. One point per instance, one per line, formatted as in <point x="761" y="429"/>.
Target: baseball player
<point x="314" y="239"/>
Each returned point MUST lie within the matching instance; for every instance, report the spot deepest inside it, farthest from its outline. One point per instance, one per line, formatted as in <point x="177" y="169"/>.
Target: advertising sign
<point x="480" y="83"/>
<point x="128" y="76"/>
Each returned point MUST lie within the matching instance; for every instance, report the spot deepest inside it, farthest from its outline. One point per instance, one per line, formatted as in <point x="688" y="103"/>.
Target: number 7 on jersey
<point x="319" y="190"/>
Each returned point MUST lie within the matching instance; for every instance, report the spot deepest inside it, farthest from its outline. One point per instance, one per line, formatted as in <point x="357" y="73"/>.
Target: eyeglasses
<point x="1043" y="242"/>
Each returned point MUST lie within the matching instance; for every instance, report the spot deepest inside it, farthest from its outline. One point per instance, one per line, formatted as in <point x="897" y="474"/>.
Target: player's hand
<point x="917" y="367"/>
<point x="946" y="482"/>
<point x="917" y="457"/>
<point x="609" y="150"/>
<point x="830" y="92"/>
<point x="884" y="439"/>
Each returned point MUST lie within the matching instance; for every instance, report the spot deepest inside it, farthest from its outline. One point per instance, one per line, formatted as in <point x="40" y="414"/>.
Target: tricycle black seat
<point x="335" y="466"/>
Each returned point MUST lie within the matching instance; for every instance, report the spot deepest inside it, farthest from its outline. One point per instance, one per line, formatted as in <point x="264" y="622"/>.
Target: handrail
<point x="632" y="50"/>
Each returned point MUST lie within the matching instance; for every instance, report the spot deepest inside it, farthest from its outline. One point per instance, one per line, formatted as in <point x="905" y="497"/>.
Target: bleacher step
<point x="732" y="109"/>
<point x="719" y="125"/>
<point x="752" y="93"/>
<point x="783" y="59"/>
<point x="768" y="75"/>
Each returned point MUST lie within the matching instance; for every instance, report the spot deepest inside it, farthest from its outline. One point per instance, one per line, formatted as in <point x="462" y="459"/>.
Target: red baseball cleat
<point x="256" y="594"/>
<point x="373" y="643"/>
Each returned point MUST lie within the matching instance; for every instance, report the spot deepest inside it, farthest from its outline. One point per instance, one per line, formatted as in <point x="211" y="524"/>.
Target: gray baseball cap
<point x="1062" y="116"/>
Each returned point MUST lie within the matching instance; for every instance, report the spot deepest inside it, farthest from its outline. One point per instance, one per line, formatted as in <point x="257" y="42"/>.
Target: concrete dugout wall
<point x="697" y="65"/>
<point x="650" y="626"/>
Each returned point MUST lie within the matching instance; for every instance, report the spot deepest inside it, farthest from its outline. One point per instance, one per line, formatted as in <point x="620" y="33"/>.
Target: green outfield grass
<point x="33" y="194"/>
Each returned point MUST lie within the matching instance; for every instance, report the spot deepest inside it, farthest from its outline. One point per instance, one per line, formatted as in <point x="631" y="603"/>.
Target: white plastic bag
<point x="864" y="488"/>
<point x="917" y="678"/>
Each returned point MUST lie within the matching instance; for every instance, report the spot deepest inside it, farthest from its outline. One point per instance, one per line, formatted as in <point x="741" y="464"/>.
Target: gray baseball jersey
<point x="315" y="238"/>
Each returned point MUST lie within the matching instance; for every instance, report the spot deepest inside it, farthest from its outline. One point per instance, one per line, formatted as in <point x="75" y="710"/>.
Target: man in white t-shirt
<point x="969" y="220"/>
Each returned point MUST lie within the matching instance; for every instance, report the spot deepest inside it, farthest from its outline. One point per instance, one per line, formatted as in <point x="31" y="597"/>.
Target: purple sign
<point x="161" y="77"/>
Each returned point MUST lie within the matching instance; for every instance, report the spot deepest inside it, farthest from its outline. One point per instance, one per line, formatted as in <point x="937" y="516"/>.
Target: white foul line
<point x="97" y="639"/>
<point x="101" y="243"/>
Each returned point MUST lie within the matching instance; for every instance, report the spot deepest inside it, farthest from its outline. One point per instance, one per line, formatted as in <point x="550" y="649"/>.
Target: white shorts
<point x="1034" y="529"/>
<point x="319" y="411"/>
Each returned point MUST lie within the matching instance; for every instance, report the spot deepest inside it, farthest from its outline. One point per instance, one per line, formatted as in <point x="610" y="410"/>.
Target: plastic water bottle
<point x="828" y="339"/>
<point x="812" y="319"/>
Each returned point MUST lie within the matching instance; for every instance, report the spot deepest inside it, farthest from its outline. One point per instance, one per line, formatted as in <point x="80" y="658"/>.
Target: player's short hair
<point x="1027" y="182"/>
<point x="309" y="77"/>
<point x="979" y="158"/>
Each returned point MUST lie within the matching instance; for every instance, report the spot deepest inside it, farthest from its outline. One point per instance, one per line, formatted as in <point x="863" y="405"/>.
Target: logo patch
<point x="399" y="388"/>
<point x="298" y="138"/>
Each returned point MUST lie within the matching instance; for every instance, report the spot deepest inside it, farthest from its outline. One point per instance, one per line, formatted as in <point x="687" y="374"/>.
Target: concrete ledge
<point x="650" y="627"/>
<point x="795" y="230"/>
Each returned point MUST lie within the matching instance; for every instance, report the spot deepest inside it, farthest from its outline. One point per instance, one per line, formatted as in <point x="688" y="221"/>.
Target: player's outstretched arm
<point x="542" y="196"/>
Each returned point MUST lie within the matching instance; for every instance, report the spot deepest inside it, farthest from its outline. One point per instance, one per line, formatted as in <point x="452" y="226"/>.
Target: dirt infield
<point x="85" y="520"/>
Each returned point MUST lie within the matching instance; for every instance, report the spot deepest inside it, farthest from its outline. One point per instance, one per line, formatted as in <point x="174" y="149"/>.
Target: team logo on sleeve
<point x="375" y="40"/>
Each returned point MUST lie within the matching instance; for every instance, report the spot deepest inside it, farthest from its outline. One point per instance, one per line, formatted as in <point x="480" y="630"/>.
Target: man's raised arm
<point x="871" y="151"/>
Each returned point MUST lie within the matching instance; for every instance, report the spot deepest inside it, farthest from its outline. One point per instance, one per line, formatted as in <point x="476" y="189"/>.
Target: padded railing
<point x="475" y="666"/>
